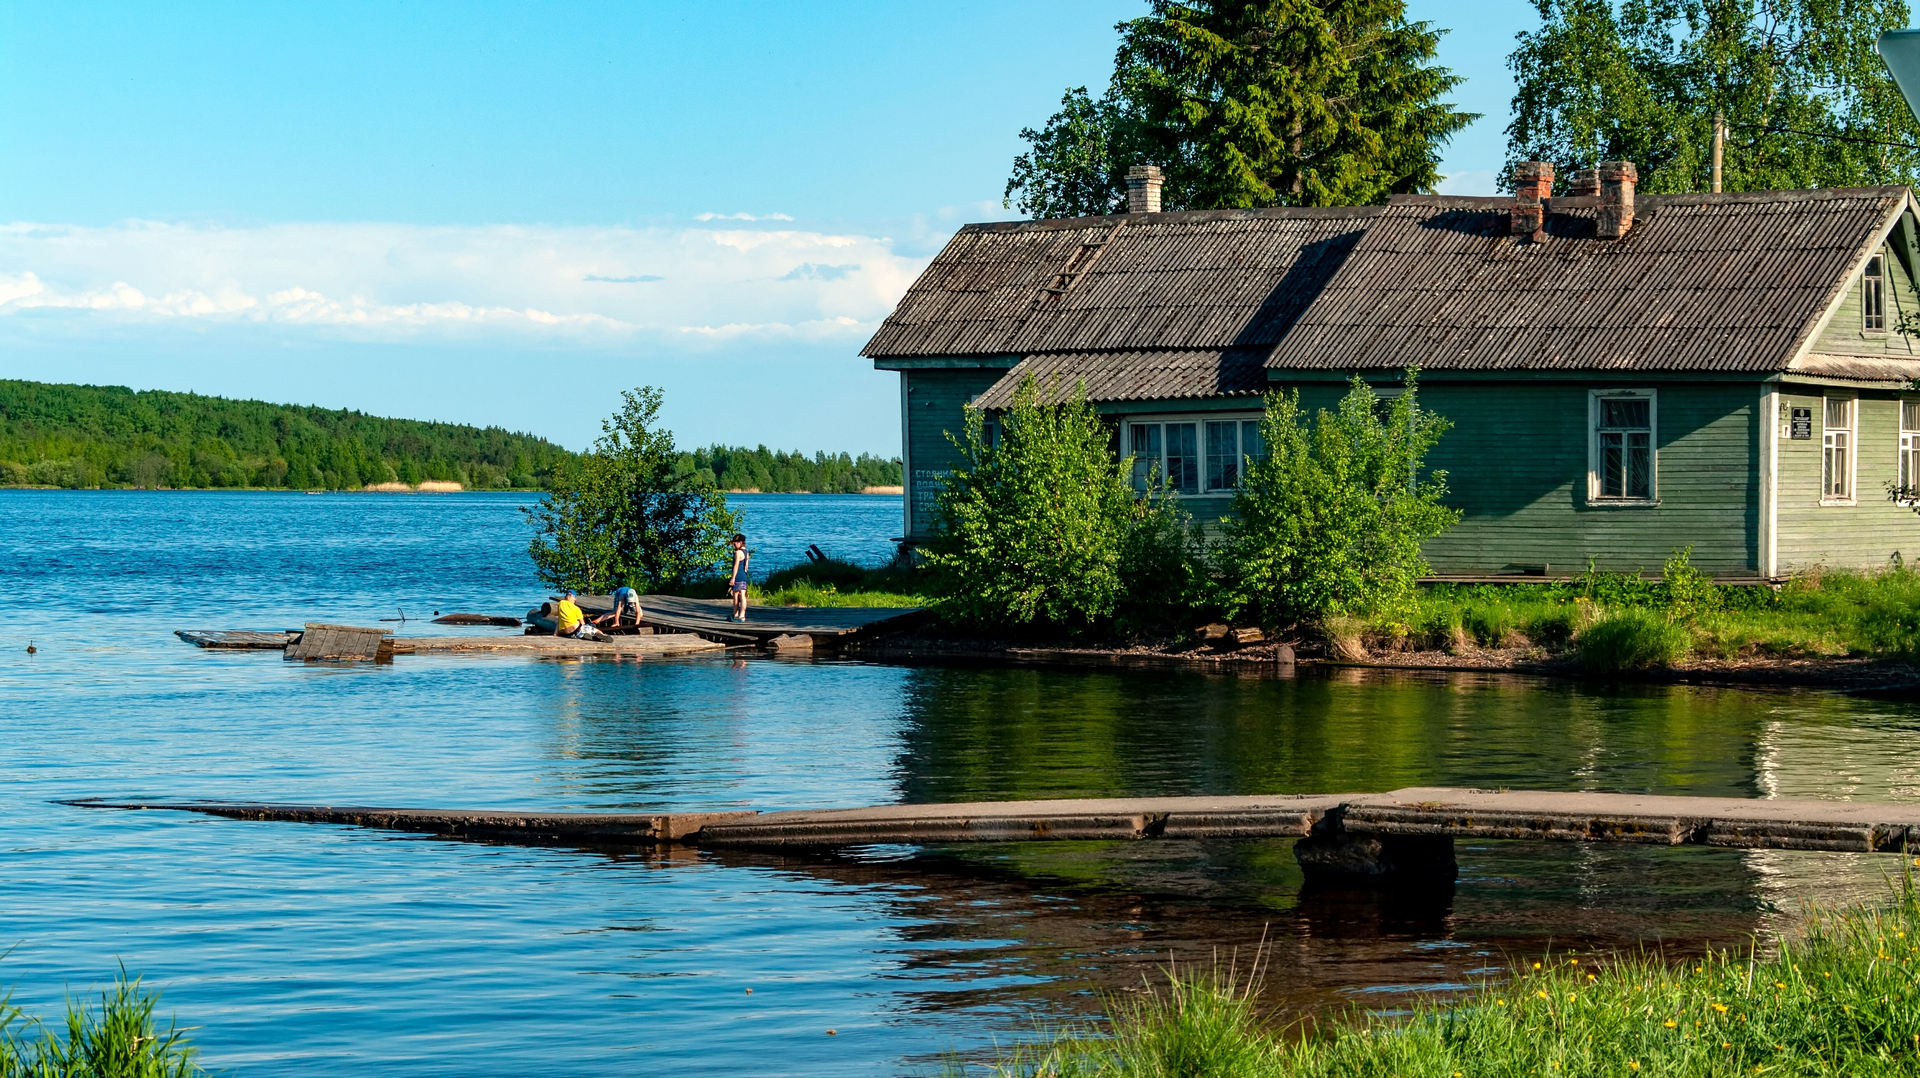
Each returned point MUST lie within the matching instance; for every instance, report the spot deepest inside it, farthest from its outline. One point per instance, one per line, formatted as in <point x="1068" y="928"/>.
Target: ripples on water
<point x="318" y="950"/>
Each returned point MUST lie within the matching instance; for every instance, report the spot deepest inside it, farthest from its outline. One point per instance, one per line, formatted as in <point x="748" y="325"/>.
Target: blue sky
<point x="506" y="213"/>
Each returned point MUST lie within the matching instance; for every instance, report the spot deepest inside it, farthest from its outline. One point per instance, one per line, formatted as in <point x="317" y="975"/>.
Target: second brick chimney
<point x="1532" y="183"/>
<point x="1143" y="189"/>
<point x="1616" y="199"/>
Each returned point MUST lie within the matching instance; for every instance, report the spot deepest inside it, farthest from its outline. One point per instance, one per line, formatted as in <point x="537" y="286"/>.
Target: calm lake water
<point x="304" y="950"/>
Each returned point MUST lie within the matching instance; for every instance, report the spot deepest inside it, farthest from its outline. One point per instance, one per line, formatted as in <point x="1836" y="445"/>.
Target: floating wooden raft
<point x="337" y="643"/>
<point x="235" y="639"/>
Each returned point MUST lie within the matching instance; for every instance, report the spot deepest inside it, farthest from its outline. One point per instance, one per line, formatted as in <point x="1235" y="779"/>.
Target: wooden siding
<point x="1517" y="462"/>
<point x="1864" y="535"/>
<point x="1844" y="335"/>
<point x="934" y="403"/>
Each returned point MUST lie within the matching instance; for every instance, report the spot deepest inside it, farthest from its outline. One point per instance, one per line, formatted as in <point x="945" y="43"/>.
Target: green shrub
<point x="1331" y="520"/>
<point x="1690" y="592"/>
<point x="1038" y="526"/>
<point x="1551" y="624"/>
<point x="622" y="514"/>
<point x="1632" y="639"/>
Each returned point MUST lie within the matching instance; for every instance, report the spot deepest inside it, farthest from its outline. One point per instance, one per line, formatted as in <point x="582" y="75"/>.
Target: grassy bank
<point x="830" y="582"/>
<point x="1843" y="999"/>
<point x="119" y="1038"/>
<point x="1619" y="621"/>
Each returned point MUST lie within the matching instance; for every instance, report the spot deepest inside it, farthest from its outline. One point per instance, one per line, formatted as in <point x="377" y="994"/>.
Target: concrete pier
<point x="1400" y="834"/>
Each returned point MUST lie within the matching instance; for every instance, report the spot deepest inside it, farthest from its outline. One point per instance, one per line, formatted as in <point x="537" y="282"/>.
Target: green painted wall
<point x="1517" y="462"/>
<point x="1844" y="335"/>
<point x="934" y="402"/>
<point x="1865" y="535"/>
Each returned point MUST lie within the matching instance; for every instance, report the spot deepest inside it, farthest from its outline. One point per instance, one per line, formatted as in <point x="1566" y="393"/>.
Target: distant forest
<point x="109" y="436"/>
<point x="740" y="468"/>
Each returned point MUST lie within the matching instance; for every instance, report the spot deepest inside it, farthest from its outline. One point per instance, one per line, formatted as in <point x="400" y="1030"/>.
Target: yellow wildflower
<point x="1542" y="995"/>
<point x="1721" y="1007"/>
<point x="1671" y="1023"/>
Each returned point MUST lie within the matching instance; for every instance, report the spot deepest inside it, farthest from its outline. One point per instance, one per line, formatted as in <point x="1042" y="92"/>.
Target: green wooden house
<point x="1626" y="376"/>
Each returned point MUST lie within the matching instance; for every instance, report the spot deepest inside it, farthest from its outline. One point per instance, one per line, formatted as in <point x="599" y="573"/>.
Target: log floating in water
<point x="476" y="619"/>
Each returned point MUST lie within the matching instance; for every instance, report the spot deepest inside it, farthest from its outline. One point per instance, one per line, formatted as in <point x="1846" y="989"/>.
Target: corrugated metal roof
<point x="1858" y="368"/>
<point x="1128" y="376"/>
<point x="1701" y="282"/>
<point x="1205" y="279"/>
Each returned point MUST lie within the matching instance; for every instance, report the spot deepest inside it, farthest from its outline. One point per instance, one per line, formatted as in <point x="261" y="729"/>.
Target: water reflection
<point x="1048" y="925"/>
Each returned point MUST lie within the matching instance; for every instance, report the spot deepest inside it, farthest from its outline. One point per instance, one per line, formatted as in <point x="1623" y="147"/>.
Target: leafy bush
<point x="1331" y="520"/>
<point x="623" y="514"/>
<point x="1690" y="592"/>
<point x="1041" y="525"/>
<point x="1633" y="639"/>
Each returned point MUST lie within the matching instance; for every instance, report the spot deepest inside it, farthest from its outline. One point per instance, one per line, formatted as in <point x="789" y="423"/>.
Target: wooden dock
<point x="712" y="618"/>
<point x="658" y="644"/>
<point x="1402" y="832"/>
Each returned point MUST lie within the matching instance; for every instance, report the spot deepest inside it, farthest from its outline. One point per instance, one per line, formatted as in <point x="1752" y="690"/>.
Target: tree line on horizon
<point x="87" y="437"/>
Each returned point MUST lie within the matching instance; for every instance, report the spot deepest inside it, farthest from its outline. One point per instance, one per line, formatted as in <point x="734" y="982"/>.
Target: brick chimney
<point x="1583" y="182"/>
<point x="1616" y="199"/>
<point x="1143" y="189"/>
<point x="1532" y="183"/>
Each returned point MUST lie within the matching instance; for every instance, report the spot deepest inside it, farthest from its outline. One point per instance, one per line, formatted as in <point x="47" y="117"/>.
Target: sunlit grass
<point x="117" y="1039"/>
<point x="1842" y="999"/>
<point x="828" y="582"/>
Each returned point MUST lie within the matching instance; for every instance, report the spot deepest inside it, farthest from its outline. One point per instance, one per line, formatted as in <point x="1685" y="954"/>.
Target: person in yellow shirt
<point x="567" y="618"/>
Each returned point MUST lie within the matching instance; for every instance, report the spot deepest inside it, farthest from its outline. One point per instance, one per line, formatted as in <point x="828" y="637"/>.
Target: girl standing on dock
<point x="738" y="584"/>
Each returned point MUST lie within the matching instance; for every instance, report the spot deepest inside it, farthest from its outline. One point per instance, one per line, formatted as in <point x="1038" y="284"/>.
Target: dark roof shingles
<point x="1134" y="376"/>
<point x="1213" y="279"/>
<point x="1701" y="282"/>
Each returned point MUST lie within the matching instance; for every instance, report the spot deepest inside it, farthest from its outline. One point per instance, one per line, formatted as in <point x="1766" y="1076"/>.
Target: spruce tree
<point x="1250" y="103"/>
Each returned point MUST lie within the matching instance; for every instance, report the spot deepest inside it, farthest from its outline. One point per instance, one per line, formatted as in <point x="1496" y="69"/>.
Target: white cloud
<point x="396" y="282"/>
<point x="1476" y="182"/>
<point x="711" y="216"/>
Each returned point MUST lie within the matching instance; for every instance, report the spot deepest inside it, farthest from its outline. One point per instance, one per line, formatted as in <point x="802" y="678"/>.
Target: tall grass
<point x="828" y="582"/>
<point x="1843" y="999"/>
<point x="118" y="1039"/>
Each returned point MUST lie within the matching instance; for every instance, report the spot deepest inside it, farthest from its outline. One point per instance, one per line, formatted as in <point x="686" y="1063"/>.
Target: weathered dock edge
<point x="1400" y="833"/>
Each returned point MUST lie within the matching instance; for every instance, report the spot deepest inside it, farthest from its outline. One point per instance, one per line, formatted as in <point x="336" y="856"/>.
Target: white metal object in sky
<point x="1901" y="51"/>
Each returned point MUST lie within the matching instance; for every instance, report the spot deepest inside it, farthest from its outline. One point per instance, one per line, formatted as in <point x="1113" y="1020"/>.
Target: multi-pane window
<point x="1909" y="444"/>
<point x="1623" y="447"/>
<point x="1146" y="455"/>
<point x="1836" y="451"/>
<point x="1873" y="294"/>
<point x="1230" y="443"/>
<point x="1192" y="458"/>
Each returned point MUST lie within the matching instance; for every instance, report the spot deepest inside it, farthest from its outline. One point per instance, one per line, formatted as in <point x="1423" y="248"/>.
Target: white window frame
<point x="1595" y="455"/>
<point x="1199" y="421"/>
<point x="1874" y="288"/>
<point x="1851" y="448"/>
<point x="1906" y="461"/>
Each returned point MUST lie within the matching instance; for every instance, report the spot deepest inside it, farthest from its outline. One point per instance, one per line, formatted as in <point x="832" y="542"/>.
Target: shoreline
<point x="1877" y="677"/>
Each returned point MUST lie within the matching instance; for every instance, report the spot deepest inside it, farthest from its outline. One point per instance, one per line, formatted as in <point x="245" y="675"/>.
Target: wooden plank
<point x="340" y="643"/>
<point x="235" y="639"/>
<point x="659" y="644"/>
<point x="1554" y="816"/>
